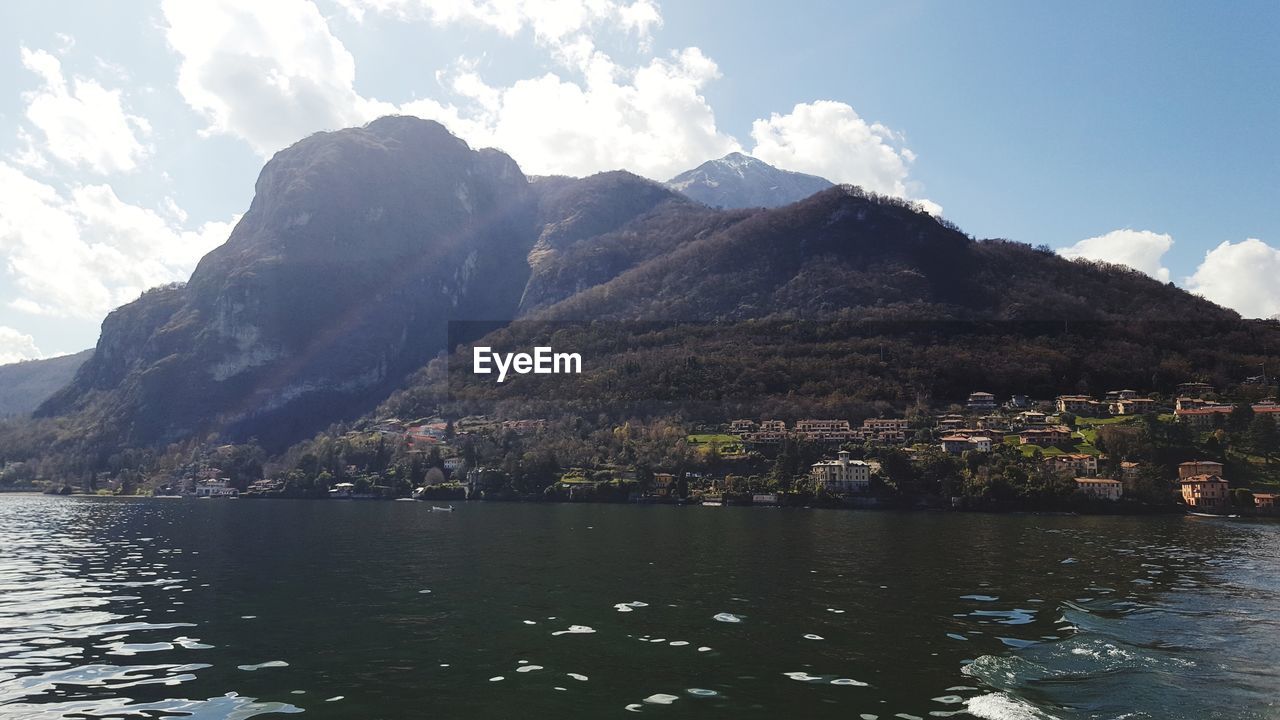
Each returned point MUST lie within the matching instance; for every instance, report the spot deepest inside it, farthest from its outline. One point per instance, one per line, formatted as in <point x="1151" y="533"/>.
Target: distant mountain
<point x="741" y="181"/>
<point x="24" y="385"/>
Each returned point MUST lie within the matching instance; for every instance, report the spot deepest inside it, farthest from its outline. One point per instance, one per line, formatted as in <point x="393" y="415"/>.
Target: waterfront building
<point x="1205" y="492"/>
<point x="1100" y="488"/>
<point x="842" y="475"/>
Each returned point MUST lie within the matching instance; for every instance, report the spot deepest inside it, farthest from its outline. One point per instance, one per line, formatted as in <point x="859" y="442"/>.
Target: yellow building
<point x="1206" y="492"/>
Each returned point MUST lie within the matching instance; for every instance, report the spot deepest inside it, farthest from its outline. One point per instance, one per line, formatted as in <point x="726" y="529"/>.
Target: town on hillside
<point x="1123" y="451"/>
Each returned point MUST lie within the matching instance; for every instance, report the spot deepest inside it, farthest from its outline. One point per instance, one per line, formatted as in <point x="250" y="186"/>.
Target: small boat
<point x="406" y="500"/>
<point x="1210" y="515"/>
<point x="437" y="508"/>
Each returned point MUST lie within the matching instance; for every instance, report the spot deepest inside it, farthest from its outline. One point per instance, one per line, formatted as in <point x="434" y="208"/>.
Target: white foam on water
<point x="629" y="606"/>
<point x="424" y="592"/>
<point x="701" y="692"/>
<point x="633" y="707"/>
<point x="811" y="636"/>
<point x="530" y="622"/>
<point x="848" y="681"/>
<point x="658" y="640"/>
<point x="561" y="689"/>
<point x="577" y="676"/>
<point x="802" y="676"/>
<point x="528" y="668"/>
<point x="869" y="716"/>
<point x="725" y="617"/>
<point x="297" y="692"/>
<point x="575" y="630"/>
<point x="661" y="699"/>
<point x="497" y="678"/>
<point x="267" y="664"/>
<point x="906" y="716"/>
<point x="949" y="699"/>
<point x="679" y="643"/>
<point x="335" y="698"/>
<point x="704" y="648"/>
<point x="998" y="706"/>
<point x="522" y="662"/>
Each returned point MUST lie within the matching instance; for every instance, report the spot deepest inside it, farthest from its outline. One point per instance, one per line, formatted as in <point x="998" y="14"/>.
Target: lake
<point x="235" y="609"/>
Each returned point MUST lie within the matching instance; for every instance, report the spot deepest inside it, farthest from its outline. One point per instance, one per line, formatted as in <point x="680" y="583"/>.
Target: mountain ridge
<point x="361" y="247"/>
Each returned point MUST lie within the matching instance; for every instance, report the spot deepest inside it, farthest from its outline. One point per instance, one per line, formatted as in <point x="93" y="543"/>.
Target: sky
<point x="1142" y="133"/>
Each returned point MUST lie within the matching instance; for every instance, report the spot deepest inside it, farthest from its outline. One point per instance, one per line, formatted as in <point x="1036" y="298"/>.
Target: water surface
<point x="234" y="609"/>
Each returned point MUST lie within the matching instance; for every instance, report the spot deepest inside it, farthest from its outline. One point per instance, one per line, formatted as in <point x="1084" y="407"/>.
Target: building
<point x="1205" y="492"/>
<point x="1267" y="407"/>
<point x="216" y="489"/>
<point x="822" y="426"/>
<point x="1100" y="488"/>
<point x="1204" y="418"/>
<point x="879" y="424"/>
<point x="1115" y="395"/>
<point x="981" y="401"/>
<point x="1047" y="436"/>
<point x="1194" y="389"/>
<point x="1199" y="467"/>
<point x="1074" y="464"/>
<point x="1134" y="406"/>
<point x="773" y="426"/>
<point x="1266" y="502"/>
<point x="1129" y="474"/>
<point x="1077" y="404"/>
<point x="951" y="421"/>
<point x="961" y="443"/>
<point x="741" y="427"/>
<point x="663" y="484"/>
<point x="842" y="475"/>
<point x="1033" y="417"/>
<point x="1018" y="402"/>
<point x="1190" y="403"/>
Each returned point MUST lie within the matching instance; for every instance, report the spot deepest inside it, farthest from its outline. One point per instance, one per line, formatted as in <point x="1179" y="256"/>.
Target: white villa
<point x="842" y="475"/>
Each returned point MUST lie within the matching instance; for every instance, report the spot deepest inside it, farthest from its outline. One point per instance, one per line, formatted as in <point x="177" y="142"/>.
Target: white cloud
<point x="1139" y="249"/>
<point x="85" y="252"/>
<point x="83" y="123"/>
<point x="650" y="120"/>
<point x="16" y="346"/>
<point x="268" y="72"/>
<point x="552" y="21"/>
<point x="830" y="139"/>
<point x="1243" y="276"/>
<point x="271" y="73"/>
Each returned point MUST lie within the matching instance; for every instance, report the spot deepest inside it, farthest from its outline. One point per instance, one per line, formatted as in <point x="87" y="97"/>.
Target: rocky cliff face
<point x="359" y="247"/>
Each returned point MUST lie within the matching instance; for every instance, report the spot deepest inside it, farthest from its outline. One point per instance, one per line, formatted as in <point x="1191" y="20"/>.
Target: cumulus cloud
<point x="650" y="120"/>
<point x="83" y="123"/>
<point x="830" y="139"/>
<point x="272" y="73"/>
<point x="268" y="72"/>
<point x="1243" y="276"/>
<point x="17" y="346"/>
<point x="84" y="252"/>
<point x="1139" y="249"/>
<point x="552" y="21"/>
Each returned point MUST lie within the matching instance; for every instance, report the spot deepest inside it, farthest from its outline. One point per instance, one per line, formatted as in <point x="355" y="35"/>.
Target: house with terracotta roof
<point x="1207" y="493"/>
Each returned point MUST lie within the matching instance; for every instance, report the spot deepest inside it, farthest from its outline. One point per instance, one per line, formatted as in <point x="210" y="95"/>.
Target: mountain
<point x="24" y="385"/>
<point x="358" y="249"/>
<point x="741" y="181"/>
<point x="849" y="305"/>
<point x="366" y="251"/>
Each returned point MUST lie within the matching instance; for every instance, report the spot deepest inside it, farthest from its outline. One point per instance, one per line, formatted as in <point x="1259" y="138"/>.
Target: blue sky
<point x="1136" y="132"/>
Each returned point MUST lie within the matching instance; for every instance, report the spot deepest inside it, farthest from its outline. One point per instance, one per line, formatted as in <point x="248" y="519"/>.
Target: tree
<point x="1264" y="438"/>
